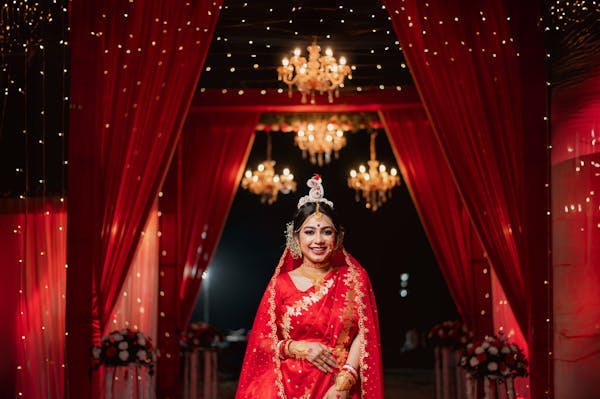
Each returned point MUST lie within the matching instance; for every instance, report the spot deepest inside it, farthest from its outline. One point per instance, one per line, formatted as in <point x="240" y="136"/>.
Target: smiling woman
<point x="316" y="333"/>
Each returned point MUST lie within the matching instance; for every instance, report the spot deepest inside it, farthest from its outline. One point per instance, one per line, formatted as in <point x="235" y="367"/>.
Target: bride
<point x="316" y="332"/>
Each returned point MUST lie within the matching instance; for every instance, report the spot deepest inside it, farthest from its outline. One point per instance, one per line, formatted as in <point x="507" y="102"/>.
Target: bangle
<point x="281" y="348"/>
<point x="344" y="381"/>
<point x="286" y="348"/>
<point x="299" y="350"/>
<point x="351" y="370"/>
<point x="278" y="348"/>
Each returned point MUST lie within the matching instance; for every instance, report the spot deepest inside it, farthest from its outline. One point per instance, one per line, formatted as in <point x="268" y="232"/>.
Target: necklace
<point x="315" y="278"/>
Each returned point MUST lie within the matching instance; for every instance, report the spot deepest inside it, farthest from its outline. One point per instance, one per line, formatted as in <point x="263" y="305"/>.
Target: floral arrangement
<point x="494" y="357"/>
<point x="199" y="335"/>
<point x="453" y="334"/>
<point x="125" y="347"/>
<point x="291" y="122"/>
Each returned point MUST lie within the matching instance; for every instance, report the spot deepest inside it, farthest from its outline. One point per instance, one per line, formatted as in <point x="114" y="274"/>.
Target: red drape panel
<point x="9" y="297"/>
<point x="198" y="193"/>
<point x="134" y="69"/>
<point x="137" y="306"/>
<point x="480" y="73"/>
<point x="576" y="236"/>
<point x="215" y="147"/>
<point x="33" y="251"/>
<point x="442" y="213"/>
<point x="504" y="321"/>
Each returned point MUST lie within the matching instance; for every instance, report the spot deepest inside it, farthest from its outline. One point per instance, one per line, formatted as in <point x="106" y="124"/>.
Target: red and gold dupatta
<point x="264" y="375"/>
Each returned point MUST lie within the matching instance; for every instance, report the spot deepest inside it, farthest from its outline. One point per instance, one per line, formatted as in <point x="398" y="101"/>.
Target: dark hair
<point x="309" y="208"/>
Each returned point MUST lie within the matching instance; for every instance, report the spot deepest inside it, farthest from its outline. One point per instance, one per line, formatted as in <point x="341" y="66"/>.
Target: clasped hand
<point x="316" y="353"/>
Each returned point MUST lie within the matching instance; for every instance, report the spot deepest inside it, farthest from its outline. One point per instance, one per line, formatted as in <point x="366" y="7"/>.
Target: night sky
<point x="387" y="243"/>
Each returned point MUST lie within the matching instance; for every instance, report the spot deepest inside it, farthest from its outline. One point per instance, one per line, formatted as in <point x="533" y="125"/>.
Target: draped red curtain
<point x="134" y="68"/>
<point x="504" y="320"/>
<point x="576" y="234"/>
<point x="215" y="147"/>
<point x="33" y="252"/>
<point x="196" y="199"/>
<point x="480" y="74"/>
<point x="448" y="227"/>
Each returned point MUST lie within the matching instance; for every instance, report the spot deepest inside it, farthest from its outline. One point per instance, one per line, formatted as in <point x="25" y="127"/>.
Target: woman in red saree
<point x="316" y="332"/>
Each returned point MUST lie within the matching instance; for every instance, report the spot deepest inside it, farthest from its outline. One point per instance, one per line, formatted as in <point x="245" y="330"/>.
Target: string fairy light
<point x="31" y="35"/>
<point x="278" y="28"/>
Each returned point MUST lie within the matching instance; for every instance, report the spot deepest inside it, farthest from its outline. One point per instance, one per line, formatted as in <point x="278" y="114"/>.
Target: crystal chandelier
<point x="320" y="73"/>
<point x="264" y="182"/>
<point x="318" y="139"/>
<point x="376" y="183"/>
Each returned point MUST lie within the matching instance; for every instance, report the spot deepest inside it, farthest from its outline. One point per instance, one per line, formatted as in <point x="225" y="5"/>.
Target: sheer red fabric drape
<point x="137" y="306"/>
<point x="197" y="195"/>
<point x="442" y="213"/>
<point x="33" y="251"/>
<point x="215" y="147"/>
<point x="576" y="235"/>
<point x="480" y="74"/>
<point x="504" y="321"/>
<point x="134" y="69"/>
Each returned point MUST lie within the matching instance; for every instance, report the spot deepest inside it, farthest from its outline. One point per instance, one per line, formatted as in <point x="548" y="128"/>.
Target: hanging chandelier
<point x="376" y="184"/>
<point x="320" y="73"/>
<point x="264" y="182"/>
<point x="318" y="139"/>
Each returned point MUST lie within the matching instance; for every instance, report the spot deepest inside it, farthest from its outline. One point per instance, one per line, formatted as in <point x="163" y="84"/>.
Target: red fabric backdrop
<point x="33" y="242"/>
<point x="576" y="235"/>
<point x="198" y="193"/>
<point x="442" y="213"/>
<point x="134" y="69"/>
<point x="480" y="73"/>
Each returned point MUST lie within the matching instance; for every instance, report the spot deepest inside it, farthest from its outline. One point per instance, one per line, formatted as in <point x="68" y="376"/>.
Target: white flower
<point x="142" y="355"/>
<point x="123" y="345"/>
<point x="513" y="348"/>
<point x="141" y="340"/>
<point x="473" y="362"/>
<point x="505" y="349"/>
<point x="485" y="345"/>
<point x="123" y="355"/>
<point x="117" y="337"/>
<point x="492" y="366"/>
<point x="96" y="352"/>
<point x="479" y="350"/>
<point x="492" y="350"/>
<point x="124" y="331"/>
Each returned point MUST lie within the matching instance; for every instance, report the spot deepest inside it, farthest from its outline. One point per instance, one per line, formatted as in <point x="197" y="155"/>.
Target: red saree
<point x="333" y="313"/>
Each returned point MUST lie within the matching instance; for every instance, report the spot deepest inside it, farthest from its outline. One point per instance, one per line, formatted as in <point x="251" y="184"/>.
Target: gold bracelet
<point x="344" y="381"/>
<point x="299" y="350"/>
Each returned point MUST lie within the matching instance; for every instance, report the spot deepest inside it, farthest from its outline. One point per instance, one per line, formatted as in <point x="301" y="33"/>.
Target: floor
<point x="399" y="384"/>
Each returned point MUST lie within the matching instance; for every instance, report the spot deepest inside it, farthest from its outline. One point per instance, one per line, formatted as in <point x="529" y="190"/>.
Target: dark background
<point x="387" y="243"/>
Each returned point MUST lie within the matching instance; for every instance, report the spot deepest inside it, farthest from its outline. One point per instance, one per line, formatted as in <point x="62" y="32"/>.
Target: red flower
<point x="111" y="351"/>
<point x="481" y="357"/>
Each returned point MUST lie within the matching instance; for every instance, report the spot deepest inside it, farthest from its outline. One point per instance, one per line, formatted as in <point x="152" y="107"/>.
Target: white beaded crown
<point x="316" y="192"/>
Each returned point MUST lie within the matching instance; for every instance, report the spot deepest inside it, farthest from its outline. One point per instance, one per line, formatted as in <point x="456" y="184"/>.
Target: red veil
<point x="263" y="371"/>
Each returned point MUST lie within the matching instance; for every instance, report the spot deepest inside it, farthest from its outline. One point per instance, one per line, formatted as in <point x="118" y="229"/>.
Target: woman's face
<point x="317" y="238"/>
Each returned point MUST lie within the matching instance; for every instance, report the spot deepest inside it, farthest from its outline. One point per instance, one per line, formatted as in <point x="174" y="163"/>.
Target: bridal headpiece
<point x="314" y="195"/>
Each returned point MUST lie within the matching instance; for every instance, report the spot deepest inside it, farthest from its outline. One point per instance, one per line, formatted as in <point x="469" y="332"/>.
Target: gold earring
<point x="291" y="242"/>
